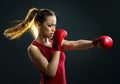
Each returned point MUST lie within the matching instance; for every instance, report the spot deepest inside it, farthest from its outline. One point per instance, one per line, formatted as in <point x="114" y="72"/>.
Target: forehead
<point x="51" y="19"/>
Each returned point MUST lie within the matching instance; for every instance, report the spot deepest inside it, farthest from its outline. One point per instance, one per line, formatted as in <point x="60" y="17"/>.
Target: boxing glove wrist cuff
<point x="56" y="47"/>
<point x="95" y="42"/>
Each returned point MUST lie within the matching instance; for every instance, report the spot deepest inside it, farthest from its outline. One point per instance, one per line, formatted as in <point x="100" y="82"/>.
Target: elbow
<point x="51" y="71"/>
<point x="51" y="74"/>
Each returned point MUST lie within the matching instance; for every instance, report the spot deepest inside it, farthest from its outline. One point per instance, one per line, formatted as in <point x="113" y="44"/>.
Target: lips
<point x="51" y="34"/>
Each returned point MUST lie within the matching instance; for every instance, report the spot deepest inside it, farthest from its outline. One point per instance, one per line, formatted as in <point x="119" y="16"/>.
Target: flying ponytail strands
<point x="18" y="30"/>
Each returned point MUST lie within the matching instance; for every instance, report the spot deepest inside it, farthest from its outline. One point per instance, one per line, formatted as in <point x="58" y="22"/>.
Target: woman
<point x="46" y="54"/>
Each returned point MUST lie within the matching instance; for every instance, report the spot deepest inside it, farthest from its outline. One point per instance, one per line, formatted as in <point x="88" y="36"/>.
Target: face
<point x="48" y="27"/>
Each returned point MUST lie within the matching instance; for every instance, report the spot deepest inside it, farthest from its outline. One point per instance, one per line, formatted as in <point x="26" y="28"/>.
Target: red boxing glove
<point x="105" y="42"/>
<point x="59" y="35"/>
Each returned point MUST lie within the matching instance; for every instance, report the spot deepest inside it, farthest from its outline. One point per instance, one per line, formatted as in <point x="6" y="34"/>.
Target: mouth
<point x="51" y="34"/>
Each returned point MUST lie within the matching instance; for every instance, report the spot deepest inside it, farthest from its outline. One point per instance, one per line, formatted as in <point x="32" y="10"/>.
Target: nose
<point x="53" y="29"/>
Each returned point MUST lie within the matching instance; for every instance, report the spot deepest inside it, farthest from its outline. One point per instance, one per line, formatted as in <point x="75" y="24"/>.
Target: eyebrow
<point x="52" y="24"/>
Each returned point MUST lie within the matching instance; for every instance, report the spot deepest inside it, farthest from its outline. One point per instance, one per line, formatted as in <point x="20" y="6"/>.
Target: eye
<point x="50" y="25"/>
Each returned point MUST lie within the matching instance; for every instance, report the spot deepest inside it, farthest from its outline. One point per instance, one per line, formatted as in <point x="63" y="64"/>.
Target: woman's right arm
<point x="49" y="68"/>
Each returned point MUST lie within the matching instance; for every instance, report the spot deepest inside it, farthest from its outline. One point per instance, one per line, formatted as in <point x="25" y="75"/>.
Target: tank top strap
<point x="41" y="47"/>
<point x="36" y="43"/>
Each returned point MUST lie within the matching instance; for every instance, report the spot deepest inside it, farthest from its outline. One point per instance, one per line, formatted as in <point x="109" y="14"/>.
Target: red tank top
<point x="60" y="77"/>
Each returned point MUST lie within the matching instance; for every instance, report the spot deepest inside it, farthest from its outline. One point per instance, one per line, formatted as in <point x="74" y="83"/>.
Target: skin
<point x="46" y="31"/>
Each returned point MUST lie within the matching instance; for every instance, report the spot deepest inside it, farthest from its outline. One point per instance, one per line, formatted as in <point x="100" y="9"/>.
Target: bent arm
<point x="77" y="45"/>
<point x="49" y="68"/>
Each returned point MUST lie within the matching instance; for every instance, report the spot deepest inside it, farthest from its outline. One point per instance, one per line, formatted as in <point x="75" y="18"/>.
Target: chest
<point x="48" y="53"/>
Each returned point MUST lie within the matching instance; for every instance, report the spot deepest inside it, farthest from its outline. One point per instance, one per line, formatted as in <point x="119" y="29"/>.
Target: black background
<point x="83" y="19"/>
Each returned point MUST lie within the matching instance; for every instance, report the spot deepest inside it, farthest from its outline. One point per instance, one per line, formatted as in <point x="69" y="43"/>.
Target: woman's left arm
<point x="77" y="45"/>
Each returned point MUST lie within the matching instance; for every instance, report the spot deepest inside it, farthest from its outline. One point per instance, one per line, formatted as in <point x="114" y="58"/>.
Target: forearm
<point x="83" y="44"/>
<point x="54" y="63"/>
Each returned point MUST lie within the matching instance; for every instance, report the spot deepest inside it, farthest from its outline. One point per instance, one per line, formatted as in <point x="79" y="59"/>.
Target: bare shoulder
<point x="32" y="50"/>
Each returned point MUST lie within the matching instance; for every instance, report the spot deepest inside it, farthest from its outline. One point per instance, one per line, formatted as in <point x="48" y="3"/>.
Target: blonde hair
<point x="33" y="15"/>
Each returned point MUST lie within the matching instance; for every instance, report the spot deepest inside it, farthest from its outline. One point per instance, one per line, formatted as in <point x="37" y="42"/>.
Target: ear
<point x="37" y="24"/>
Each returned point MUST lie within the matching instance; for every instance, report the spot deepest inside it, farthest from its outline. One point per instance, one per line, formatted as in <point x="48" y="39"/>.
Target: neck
<point x="43" y="41"/>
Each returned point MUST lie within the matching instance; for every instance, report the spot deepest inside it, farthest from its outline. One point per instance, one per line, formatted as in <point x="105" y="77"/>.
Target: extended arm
<point x="104" y="42"/>
<point x="77" y="45"/>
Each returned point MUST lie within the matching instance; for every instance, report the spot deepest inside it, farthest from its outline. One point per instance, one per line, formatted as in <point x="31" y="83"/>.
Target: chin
<point x="50" y="36"/>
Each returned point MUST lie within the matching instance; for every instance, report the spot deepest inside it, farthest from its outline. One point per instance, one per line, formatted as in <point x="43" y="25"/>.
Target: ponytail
<point x="18" y="30"/>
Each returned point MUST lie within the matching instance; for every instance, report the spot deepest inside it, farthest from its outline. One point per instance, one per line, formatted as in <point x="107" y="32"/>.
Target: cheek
<point x="45" y="31"/>
<point x="43" y="28"/>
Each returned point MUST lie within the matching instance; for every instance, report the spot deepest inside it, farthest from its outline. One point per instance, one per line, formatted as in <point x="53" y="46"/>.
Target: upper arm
<point x="36" y="56"/>
<point x="68" y="45"/>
